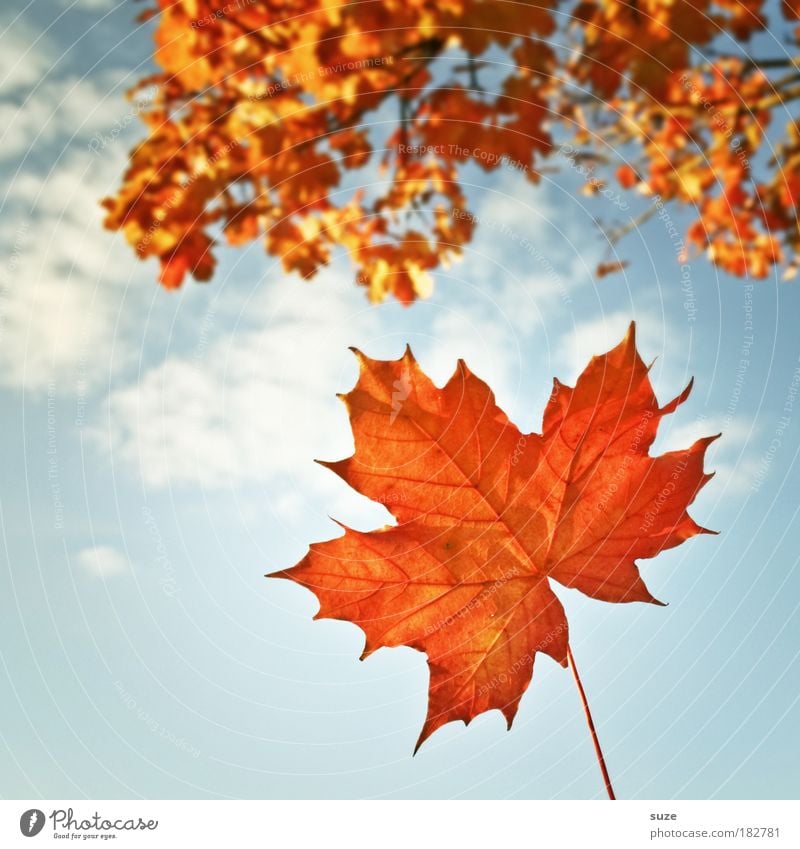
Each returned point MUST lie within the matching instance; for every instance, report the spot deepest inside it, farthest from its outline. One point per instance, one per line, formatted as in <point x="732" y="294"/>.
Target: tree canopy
<point x="319" y="125"/>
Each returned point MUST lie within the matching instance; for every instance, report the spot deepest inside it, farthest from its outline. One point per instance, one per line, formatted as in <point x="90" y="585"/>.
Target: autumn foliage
<point x="340" y="125"/>
<point x="487" y="518"/>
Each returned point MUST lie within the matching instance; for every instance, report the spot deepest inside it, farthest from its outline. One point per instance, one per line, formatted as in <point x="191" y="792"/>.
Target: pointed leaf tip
<point x="337" y="522"/>
<point x="357" y="353"/>
<point x="678" y="399"/>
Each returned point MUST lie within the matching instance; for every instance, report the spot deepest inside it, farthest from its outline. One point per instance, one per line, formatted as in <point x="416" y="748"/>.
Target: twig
<point x="590" y="722"/>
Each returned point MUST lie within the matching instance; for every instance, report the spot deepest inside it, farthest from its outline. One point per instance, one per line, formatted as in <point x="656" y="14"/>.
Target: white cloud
<point x="22" y="62"/>
<point x="92" y="5"/>
<point x="484" y="339"/>
<point x="674" y="435"/>
<point x="63" y="278"/>
<point x="598" y="335"/>
<point x="102" y="561"/>
<point x="255" y="404"/>
<point x="61" y="112"/>
<point x="60" y="287"/>
<point x="740" y="476"/>
<point x="534" y="257"/>
<point x="258" y="403"/>
<point x="48" y="110"/>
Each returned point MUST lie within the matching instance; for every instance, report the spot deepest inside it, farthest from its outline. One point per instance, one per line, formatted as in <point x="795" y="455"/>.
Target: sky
<point x="158" y="461"/>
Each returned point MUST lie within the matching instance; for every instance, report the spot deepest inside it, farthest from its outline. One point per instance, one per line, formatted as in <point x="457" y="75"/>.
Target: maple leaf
<point x="487" y="517"/>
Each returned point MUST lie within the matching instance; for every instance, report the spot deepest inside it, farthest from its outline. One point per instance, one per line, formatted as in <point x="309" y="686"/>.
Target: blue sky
<point x="157" y="461"/>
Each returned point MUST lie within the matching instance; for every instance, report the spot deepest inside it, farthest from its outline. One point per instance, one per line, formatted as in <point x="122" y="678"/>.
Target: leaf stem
<point x="590" y="722"/>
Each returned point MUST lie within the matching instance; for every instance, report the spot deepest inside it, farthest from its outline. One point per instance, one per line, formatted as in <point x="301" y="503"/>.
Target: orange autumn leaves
<point x="324" y="127"/>
<point x="487" y="518"/>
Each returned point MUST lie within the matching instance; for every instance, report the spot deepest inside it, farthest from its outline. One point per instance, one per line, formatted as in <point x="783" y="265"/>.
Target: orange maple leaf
<point x="487" y="516"/>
